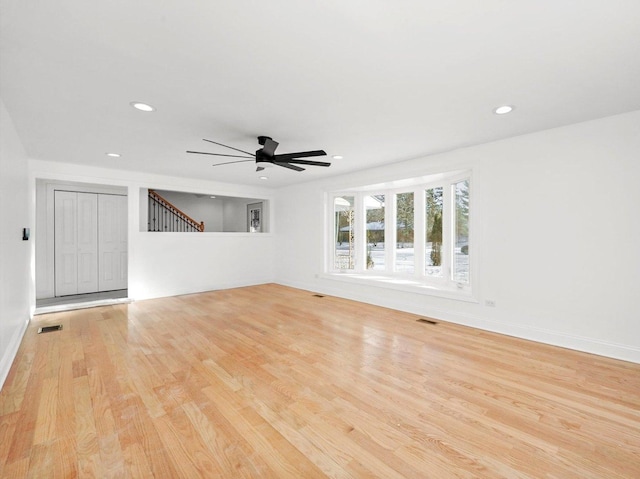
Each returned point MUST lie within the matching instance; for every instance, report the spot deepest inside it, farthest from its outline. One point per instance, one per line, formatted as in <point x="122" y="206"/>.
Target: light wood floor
<point x="269" y="381"/>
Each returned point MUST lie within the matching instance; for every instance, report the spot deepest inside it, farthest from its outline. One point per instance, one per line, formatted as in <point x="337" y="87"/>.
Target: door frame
<point x="45" y="227"/>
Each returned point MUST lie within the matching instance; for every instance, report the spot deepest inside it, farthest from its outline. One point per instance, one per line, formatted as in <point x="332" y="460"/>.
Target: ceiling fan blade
<point x="287" y="165"/>
<point x="309" y="162"/>
<point x="231" y="162"/>
<point x="226" y="146"/>
<point x="301" y="154"/>
<point x="269" y="147"/>
<point x="219" y="154"/>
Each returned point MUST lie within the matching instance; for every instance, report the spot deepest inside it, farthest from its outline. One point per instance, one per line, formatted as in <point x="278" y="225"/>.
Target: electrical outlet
<point x="490" y="302"/>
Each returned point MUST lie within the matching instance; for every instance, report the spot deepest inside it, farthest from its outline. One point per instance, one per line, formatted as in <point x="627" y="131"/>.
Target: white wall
<point x="165" y="264"/>
<point x="16" y="272"/>
<point x="558" y="236"/>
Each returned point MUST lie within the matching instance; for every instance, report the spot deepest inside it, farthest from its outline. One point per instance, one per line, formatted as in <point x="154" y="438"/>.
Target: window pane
<point x="344" y="216"/>
<point x="433" y="224"/>
<point x="461" y="248"/>
<point x="374" y="205"/>
<point x="404" y="233"/>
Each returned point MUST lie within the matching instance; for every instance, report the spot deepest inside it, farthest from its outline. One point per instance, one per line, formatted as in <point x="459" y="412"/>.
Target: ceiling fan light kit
<point x="138" y="105"/>
<point x="266" y="156"/>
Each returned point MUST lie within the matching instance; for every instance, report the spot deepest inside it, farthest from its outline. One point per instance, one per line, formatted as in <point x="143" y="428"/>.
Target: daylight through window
<point x="343" y="228"/>
<point x="418" y="234"/>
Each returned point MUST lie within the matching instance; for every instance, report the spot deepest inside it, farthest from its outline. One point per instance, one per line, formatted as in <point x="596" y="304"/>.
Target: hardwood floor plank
<point x="112" y="462"/>
<point x="45" y="421"/>
<point x="17" y="381"/>
<point x="272" y="382"/>
<point x="7" y="430"/>
<point x="15" y="469"/>
<point x="86" y="433"/>
<point x="23" y="437"/>
<point x="186" y="463"/>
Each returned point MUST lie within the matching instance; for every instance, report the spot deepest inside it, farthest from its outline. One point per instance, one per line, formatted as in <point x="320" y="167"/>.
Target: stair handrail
<point x="177" y="211"/>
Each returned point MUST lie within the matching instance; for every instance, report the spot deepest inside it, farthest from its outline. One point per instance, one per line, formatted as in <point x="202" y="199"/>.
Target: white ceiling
<point x="375" y="81"/>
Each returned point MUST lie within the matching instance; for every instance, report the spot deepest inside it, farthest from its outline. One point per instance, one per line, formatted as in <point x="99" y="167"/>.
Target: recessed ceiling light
<point x="211" y="196"/>
<point x="142" y="106"/>
<point x="337" y="157"/>
<point x="503" y="110"/>
<point x="114" y="155"/>
<point x="264" y="177"/>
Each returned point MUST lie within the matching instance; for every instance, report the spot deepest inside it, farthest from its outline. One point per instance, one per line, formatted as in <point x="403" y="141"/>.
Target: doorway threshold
<point x="81" y="301"/>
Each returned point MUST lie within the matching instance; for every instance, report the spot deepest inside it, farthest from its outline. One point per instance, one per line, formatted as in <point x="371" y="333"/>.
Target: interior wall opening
<point x="179" y="211"/>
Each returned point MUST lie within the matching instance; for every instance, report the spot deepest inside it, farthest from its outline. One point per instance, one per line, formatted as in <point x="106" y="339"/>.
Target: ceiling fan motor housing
<point x="262" y="157"/>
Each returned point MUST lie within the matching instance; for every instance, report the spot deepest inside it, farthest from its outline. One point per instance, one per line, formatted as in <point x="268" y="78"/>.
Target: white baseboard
<point x="10" y="354"/>
<point x="137" y="296"/>
<point x="528" y="332"/>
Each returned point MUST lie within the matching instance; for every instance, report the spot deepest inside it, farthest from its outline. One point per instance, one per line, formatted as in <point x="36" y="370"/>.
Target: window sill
<point x="403" y="284"/>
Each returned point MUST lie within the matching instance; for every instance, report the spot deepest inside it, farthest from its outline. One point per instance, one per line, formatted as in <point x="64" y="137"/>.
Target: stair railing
<point x="164" y="216"/>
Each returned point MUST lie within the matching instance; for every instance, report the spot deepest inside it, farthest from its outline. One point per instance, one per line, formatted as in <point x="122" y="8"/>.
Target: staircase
<point x="164" y="216"/>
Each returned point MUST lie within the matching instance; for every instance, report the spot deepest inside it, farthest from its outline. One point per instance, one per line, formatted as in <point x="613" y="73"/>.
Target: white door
<point x="76" y="242"/>
<point x="112" y="242"/>
<point x="87" y="243"/>
<point x="66" y="243"/>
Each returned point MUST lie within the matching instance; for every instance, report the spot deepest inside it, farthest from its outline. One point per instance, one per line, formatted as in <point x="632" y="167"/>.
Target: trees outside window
<point x="404" y="254"/>
<point x="433" y="233"/>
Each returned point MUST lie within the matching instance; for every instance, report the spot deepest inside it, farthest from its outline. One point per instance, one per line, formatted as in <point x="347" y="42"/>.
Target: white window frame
<point x="418" y="281"/>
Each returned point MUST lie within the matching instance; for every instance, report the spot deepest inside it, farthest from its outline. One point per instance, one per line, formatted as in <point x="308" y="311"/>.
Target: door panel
<point x="76" y="242"/>
<point x="87" y="243"/>
<point x="66" y="244"/>
<point x="112" y="242"/>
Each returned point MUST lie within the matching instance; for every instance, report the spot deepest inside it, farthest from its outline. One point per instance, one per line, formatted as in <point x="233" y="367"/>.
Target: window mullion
<point x="332" y="253"/>
<point x="419" y="231"/>
<point x="390" y="231"/>
<point x="360" y="241"/>
<point x="447" y="236"/>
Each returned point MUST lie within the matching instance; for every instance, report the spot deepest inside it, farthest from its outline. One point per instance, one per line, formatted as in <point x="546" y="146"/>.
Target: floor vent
<point x="428" y="321"/>
<point x="318" y="295"/>
<point x="50" y="329"/>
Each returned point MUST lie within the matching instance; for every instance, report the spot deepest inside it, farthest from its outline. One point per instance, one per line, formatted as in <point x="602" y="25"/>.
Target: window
<point x="433" y="232"/>
<point x="374" y="206"/>
<point x="404" y="257"/>
<point x="405" y="235"/>
<point x="343" y="232"/>
<point x="461" y="232"/>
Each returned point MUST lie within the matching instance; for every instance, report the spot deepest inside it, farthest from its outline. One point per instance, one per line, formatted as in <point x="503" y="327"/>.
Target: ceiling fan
<point x="266" y="154"/>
